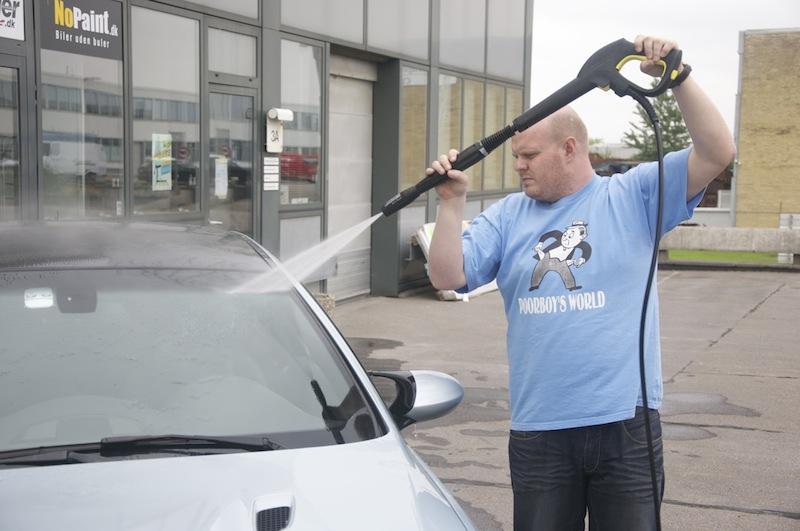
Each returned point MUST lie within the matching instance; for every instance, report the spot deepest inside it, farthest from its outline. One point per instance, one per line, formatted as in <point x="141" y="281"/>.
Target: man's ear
<point x="570" y="145"/>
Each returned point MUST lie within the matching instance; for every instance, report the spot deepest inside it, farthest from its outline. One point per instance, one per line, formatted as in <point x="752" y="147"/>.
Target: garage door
<point x="350" y="170"/>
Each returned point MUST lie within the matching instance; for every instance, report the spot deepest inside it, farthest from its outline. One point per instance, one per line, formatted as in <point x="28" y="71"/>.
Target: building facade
<point x="159" y="111"/>
<point x="767" y="177"/>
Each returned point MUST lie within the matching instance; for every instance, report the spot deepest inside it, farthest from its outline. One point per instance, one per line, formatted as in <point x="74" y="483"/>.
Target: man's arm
<point x="445" y="256"/>
<point x="713" y="147"/>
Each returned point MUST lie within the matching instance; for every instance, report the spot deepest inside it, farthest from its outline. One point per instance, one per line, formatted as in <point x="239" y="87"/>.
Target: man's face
<point x="540" y="163"/>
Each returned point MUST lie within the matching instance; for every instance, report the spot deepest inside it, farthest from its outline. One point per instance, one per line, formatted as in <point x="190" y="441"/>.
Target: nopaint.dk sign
<point x="87" y="27"/>
<point x="12" y="20"/>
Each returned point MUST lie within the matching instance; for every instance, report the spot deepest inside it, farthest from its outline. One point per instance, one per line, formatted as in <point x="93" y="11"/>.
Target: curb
<point x="725" y="266"/>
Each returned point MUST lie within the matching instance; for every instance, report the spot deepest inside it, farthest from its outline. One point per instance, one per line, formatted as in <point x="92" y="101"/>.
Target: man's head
<point x="552" y="156"/>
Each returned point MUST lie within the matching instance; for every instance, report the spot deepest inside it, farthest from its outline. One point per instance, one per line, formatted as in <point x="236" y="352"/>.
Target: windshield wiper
<point x="253" y="443"/>
<point x="46" y="457"/>
<point x="112" y="447"/>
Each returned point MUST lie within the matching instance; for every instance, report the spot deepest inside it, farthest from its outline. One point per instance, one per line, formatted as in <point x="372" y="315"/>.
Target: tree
<point x="674" y="134"/>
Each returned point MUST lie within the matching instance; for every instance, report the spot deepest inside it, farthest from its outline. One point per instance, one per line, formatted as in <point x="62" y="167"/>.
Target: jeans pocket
<point x="635" y="428"/>
<point x="528" y="460"/>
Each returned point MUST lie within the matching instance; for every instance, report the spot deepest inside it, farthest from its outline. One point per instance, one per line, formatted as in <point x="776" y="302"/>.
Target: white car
<point x="156" y="377"/>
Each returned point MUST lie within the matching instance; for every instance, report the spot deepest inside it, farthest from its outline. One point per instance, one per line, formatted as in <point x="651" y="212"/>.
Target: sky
<point x="566" y="33"/>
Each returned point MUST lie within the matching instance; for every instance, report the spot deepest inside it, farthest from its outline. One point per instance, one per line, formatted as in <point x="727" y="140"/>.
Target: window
<point x="449" y="114"/>
<point x="231" y="161"/>
<point x="247" y="8"/>
<point x="463" y="46"/>
<point x="398" y="25"/>
<point x="8" y="88"/>
<point x="81" y="177"/>
<point x="473" y="127"/>
<point x="495" y="115"/>
<point x="301" y="91"/>
<point x="9" y="144"/>
<point x="467" y="115"/>
<point x="413" y="125"/>
<point x="166" y="154"/>
<point x="505" y="39"/>
<point x="513" y="109"/>
<point x="165" y="352"/>
<point x="231" y="53"/>
<point x="342" y="19"/>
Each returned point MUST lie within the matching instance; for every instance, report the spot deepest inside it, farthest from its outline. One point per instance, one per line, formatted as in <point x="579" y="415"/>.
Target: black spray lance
<point x="601" y="70"/>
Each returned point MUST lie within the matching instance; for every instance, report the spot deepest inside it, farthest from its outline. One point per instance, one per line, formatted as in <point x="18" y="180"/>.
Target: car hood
<point x="378" y="484"/>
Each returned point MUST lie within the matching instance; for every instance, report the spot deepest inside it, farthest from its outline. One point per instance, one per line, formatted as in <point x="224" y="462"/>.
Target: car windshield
<point x="92" y="354"/>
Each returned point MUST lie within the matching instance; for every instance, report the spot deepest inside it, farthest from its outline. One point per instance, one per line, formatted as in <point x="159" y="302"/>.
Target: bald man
<point x="577" y="439"/>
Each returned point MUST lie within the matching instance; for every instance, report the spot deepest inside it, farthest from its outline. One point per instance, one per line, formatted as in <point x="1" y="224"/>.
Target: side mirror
<point x="422" y="395"/>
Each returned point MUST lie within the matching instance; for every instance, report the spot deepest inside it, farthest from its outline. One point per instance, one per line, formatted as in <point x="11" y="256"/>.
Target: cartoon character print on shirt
<point x="559" y="256"/>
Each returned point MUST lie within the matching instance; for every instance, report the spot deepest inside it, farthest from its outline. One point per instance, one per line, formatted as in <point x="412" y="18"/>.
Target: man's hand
<point x="655" y="49"/>
<point x="456" y="185"/>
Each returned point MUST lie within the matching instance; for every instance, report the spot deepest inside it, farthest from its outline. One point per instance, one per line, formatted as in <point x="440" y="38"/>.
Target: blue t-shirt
<point x="572" y="275"/>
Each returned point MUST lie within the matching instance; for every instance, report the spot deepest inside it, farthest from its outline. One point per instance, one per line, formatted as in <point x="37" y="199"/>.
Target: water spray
<point x="601" y="70"/>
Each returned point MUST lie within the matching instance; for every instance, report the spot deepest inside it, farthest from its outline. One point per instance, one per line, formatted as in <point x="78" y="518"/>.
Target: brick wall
<point x="768" y="175"/>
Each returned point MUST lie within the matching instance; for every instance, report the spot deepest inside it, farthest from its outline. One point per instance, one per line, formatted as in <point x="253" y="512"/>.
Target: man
<point x="577" y="438"/>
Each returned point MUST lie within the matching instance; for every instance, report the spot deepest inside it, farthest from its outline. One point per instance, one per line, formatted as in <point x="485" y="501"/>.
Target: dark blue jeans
<point x="557" y="475"/>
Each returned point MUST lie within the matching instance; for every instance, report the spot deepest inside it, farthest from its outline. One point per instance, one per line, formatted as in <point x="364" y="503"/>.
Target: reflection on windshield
<point x="93" y="354"/>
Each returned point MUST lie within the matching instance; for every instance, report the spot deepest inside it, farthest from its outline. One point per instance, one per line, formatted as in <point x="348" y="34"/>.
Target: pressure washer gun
<point x="601" y="70"/>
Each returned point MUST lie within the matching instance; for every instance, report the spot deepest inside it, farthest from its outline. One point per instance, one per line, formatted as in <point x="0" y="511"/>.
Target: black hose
<point x="651" y="113"/>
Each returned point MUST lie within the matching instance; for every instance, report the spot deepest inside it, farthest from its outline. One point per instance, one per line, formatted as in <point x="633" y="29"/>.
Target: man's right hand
<point x="456" y="185"/>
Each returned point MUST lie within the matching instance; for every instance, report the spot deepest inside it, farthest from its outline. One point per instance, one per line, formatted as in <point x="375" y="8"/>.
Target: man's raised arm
<point x="713" y="147"/>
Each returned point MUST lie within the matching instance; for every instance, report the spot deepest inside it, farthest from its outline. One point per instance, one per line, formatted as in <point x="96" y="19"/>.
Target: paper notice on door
<point x="162" y="162"/>
<point x="221" y="177"/>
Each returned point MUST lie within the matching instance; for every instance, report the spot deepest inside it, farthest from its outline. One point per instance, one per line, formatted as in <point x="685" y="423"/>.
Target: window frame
<point x="224" y="78"/>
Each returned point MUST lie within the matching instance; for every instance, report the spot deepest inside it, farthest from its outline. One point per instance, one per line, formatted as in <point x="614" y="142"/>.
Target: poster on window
<point x="162" y="162"/>
<point x="221" y="177"/>
<point x="12" y="19"/>
<point x="86" y="27"/>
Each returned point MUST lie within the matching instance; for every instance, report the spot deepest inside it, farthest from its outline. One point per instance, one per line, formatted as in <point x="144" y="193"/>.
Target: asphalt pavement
<point x="731" y="414"/>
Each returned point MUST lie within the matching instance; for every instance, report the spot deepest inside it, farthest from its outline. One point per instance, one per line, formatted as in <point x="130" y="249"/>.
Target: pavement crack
<point x="724" y="426"/>
<point x="475" y="483"/>
<point x="769" y="512"/>
<point x="743" y="375"/>
<point x="725" y="333"/>
<point x="746" y="315"/>
<point x="681" y="371"/>
<point x="754" y="308"/>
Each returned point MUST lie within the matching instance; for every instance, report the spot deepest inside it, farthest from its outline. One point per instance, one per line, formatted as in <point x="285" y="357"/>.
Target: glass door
<point x="231" y="132"/>
<point x="11" y="159"/>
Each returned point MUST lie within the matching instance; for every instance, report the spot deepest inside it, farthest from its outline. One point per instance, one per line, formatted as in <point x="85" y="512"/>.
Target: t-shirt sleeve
<point x="676" y="208"/>
<point x="482" y="246"/>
